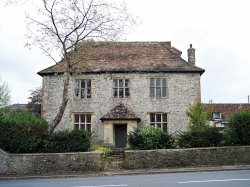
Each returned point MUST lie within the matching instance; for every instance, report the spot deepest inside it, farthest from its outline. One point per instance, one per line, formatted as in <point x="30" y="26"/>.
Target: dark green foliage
<point x="21" y="132"/>
<point x="147" y="138"/>
<point x="238" y="131"/>
<point x="209" y="137"/>
<point x="68" y="141"/>
<point x="199" y="133"/>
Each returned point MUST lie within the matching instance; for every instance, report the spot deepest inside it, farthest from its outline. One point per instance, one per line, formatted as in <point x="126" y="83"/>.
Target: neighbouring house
<point x="117" y="86"/>
<point x="222" y="111"/>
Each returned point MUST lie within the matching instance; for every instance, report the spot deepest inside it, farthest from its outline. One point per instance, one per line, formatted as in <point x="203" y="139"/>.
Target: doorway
<point x="120" y="135"/>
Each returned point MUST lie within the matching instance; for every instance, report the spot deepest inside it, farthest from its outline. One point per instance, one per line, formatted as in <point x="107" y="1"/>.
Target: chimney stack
<point x="191" y="55"/>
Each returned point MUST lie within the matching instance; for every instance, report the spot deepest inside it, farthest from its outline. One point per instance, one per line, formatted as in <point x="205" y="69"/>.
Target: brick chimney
<point x="191" y="55"/>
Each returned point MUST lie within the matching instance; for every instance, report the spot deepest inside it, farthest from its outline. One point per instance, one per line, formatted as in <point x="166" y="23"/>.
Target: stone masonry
<point x="182" y="90"/>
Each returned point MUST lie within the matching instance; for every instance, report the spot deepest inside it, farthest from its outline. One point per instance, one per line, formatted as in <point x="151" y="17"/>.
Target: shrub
<point x="147" y="137"/>
<point x="21" y="132"/>
<point x="209" y="137"/>
<point x="199" y="117"/>
<point x="238" y="131"/>
<point x="106" y="151"/>
<point x="67" y="141"/>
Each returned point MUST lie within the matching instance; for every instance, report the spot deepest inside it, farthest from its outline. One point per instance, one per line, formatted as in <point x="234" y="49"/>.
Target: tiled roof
<point x="120" y="112"/>
<point x="227" y="110"/>
<point x="101" y="57"/>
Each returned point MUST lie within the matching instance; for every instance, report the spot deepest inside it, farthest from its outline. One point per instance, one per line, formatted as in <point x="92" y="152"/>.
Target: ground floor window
<point x="82" y="121"/>
<point x="159" y="120"/>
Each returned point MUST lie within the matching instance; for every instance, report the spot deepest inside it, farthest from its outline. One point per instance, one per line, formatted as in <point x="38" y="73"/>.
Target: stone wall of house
<point x="183" y="89"/>
<point x="196" y="157"/>
<point x="46" y="163"/>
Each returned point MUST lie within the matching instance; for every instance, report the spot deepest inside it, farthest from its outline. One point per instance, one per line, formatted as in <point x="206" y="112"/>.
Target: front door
<point x="120" y="135"/>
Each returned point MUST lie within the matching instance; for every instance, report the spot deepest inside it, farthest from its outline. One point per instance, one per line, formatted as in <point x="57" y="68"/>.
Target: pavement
<point x="127" y="172"/>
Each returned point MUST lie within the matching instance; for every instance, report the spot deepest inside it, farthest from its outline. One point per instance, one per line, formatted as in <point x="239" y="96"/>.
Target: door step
<point x="115" y="161"/>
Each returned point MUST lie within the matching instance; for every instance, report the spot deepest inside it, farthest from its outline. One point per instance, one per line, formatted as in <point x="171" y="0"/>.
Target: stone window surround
<point x="86" y="88"/>
<point x="149" y="88"/>
<point x="161" y="122"/>
<point x="118" y="86"/>
<point x="85" y="123"/>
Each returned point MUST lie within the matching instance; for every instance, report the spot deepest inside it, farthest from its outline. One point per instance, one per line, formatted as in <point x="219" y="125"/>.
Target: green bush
<point x="21" y="132"/>
<point x="209" y="137"/>
<point x="67" y="141"/>
<point x="147" y="138"/>
<point x="238" y="131"/>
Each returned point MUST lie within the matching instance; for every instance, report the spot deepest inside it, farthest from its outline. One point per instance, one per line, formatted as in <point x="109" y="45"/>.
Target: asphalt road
<point x="195" y="179"/>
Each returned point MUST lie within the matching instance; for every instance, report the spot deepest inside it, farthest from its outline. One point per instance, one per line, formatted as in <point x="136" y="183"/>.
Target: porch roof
<point x="120" y="112"/>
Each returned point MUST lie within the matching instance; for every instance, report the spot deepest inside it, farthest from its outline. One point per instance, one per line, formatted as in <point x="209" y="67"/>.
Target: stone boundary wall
<point x="193" y="157"/>
<point x="64" y="163"/>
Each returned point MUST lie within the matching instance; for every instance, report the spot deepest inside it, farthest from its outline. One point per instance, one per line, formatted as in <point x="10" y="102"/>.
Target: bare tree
<point x="63" y="24"/>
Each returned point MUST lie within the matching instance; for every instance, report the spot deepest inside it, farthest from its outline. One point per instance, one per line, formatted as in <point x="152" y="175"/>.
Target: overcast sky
<point x="218" y="29"/>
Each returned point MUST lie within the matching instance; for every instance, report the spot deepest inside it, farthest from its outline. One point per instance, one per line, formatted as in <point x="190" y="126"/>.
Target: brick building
<point x="116" y="86"/>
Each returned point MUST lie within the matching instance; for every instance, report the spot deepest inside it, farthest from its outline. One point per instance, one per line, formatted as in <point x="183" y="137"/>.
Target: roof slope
<point x="101" y="57"/>
<point x="226" y="109"/>
<point x="120" y="112"/>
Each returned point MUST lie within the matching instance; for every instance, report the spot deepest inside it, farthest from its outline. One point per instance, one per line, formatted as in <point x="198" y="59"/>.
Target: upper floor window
<point x="159" y="120"/>
<point x="82" y="121"/>
<point x="121" y="88"/>
<point x="216" y="115"/>
<point x="83" y="88"/>
<point x="158" y="87"/>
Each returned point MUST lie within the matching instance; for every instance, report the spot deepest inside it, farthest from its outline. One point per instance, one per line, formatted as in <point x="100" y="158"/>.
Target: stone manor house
<point x="117" y="86"/>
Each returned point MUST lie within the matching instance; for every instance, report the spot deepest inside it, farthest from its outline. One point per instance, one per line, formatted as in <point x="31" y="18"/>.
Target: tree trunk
<point x="64" y="103"/>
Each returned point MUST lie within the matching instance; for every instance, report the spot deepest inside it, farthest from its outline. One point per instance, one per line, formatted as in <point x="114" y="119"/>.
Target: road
<point x="198" y="179"/>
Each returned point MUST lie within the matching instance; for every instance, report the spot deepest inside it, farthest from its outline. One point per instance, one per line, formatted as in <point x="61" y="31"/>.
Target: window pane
<point x="152" y="82"/>
<point x="77" y="92"/>
<point x="158" y="92"/>
<point x="164" y="92"/>
<point x="76" y="126"/>
<point x="152" y="117"/>
<point x="82" y="93"/>
<point x="88" y="118"/>
<point x="164" y="118"/>
<point x="83" y="118"/>
<point x="89" y="84"/>
<point x="115" y="92"/>
<point x="152" y="92"/>
<point x="83" y="84"/>
<point x="158" y="117"/>
<point x="127" y="92"/>
<point x="77" y="83"/>
<point x="115" y="83"/>
<point x="83" y="126"/>
<point x="159" y="125"/>
<point x="121" y="83"/>
<point x="89" y="127"/>
<point x="88" y="93"/>
<point x="121" y="93"/>
<point x="164" y="83"/>
<point x="164" y="127"/>
<point x="126" y="83"/>
<point x="152" y="124"/>
<point x="76" y="118"/>
<point x="158" y="82"/>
